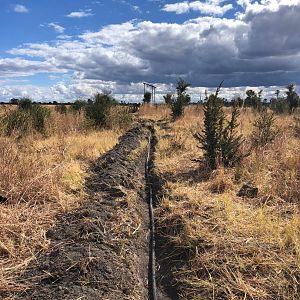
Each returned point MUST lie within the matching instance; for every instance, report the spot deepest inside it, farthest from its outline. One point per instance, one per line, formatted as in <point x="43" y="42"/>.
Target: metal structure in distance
<point x="153" y="90"/>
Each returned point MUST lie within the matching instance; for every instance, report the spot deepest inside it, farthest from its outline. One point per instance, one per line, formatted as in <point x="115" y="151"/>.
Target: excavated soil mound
<point x="100" y="250"/>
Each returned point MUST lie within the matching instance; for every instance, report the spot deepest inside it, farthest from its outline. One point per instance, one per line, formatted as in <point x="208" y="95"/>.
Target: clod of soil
<point x="248" y="190"/>
<point x="3" y="199"/>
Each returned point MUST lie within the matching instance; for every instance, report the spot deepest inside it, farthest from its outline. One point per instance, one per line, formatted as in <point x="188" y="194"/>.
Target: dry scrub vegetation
<point x="42" y="176"/>
<point x="219" y="245"/>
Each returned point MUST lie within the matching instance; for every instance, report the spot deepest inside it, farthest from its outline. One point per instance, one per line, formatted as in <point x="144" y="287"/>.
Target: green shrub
<point x="147" y="97"/>
<point x="265" y="129"/>
<point x="168" y="99"/>
<point x="219" y="141"/>
<point x="292" y="98"/>
<point x="98" y="111"/>
<point x="177" y="107"/>
<point x="25" y="104"/>
<point x="178" y="103"/>
<point x="279" y="106"/>
<point x="253" y="99"/>
<point x="27" y="117"/>
<point x="61" y="108"/>
<point x="78" y="105"/>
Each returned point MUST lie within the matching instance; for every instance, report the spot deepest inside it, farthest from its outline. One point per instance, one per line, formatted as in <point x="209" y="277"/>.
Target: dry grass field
<point x="219" y="245"/>
<point x="42" y="176"/>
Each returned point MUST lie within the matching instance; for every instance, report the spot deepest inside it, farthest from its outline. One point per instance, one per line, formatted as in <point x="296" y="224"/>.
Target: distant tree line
<point x="102" y="111"/>
<point x="283" y="101"/>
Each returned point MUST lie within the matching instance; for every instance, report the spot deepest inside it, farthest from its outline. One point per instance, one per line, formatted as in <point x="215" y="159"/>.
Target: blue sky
<point x="63" y="50"/>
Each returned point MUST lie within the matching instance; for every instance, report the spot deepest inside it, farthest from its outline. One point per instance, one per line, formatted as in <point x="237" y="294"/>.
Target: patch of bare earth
<point x="100" y="250"/>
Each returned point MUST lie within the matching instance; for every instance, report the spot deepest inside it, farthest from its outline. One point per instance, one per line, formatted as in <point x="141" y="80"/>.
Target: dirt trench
<point x="100" y="250"/>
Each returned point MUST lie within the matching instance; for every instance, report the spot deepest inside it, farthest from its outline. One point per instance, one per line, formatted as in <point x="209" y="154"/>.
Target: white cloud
<point x="261" y="48"/>
<point x="56" y="27"/>
<point x="13" y="67"/>
<point x="64" y="37"/>
<point x="80" y="14"/>
<point x="264" y="6"/>
<point x="204" y="50"/>
<point x="64" y="92"/>
<point x="136" y="8"/>
<point x="209" y="7"/>
<point x="18" y="8"/>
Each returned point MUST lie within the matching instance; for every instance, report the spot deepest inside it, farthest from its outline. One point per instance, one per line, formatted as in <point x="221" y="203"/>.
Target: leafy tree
<point x="14" y="101"/>
<point x="147" y="97"/>
<point x="219" y="141"/>
<point x="237" y="101"/>
<point x="292" y="97"/>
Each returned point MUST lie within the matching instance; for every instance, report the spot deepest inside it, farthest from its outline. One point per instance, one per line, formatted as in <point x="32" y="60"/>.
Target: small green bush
<point x="25" y="104"/>
<point x="265" y="129"/>
<point x="169" y="98"/>
<point x="98" y="111"/>
<point x="178" y="103"/>
<point x="61" y="108"/>
<point x="147" y="97"/>
<point x="253" y="99"/>
<point x="177" y="106"/>
<point x="279" y="106"/>
<point x="78" y="105"/>
<point x="292" y="98"/>
<point x="26" y="117"/>
<point x="219" y="140"/>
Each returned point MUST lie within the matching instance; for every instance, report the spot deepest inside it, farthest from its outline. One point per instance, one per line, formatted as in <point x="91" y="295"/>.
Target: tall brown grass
<point x="42" y="176"/>
<point x="154" y="112"/>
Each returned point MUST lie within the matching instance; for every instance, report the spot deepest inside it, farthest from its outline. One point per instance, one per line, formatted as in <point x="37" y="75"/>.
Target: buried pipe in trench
<point x="152" y="267"/>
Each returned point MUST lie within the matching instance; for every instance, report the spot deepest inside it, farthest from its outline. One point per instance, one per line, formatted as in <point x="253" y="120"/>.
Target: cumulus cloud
<point x="56" y="27"/>
<point x="80" y="14"/>
<point x="18" y="8"/>
<point x="63" y="91"/>
<point x="261" y="48"/>
<point x="251" y="7"/>
<point x="209" y="7"/>
<point x="12" y="67"/>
